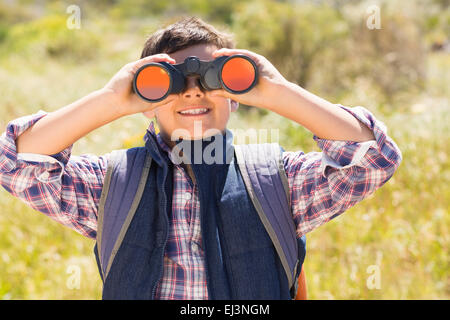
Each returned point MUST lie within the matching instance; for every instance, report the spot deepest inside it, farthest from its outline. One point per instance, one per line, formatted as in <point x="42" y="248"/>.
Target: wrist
<point x="109" y="98"/>
<point x="280" y="92"/>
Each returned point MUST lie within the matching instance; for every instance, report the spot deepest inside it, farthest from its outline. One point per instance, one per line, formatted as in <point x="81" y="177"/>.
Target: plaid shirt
<point x="322" y="185"/>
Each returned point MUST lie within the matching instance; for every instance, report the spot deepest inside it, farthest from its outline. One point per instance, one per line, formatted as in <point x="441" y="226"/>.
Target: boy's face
<point x="169" y="117"/>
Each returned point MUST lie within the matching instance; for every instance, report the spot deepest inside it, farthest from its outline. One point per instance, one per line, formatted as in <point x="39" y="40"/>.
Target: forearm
<point x="321" y="117"/>
<point x="63" y="127"/>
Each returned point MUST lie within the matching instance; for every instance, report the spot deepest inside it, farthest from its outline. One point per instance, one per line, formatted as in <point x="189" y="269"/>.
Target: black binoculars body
<point x="237" y="74"/>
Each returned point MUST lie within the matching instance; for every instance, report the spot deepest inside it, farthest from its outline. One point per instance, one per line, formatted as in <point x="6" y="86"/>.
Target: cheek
<point x="222" y="104"/>
<point x="165" y="118"/>
<point x="222" y="114"/>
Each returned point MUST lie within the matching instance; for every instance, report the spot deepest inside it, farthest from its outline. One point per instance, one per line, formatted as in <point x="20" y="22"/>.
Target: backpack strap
<point x="123" y="165"/>
<point x="262" y="170"/>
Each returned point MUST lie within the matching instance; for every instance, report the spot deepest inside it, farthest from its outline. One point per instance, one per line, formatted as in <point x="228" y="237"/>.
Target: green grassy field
<point x="401" y="231"/>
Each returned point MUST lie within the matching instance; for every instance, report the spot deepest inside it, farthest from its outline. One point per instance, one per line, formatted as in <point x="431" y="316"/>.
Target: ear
<point x="234" y="105"/>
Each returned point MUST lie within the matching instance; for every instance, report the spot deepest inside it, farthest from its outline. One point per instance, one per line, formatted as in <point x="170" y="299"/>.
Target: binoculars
<point x="236" y="74"/>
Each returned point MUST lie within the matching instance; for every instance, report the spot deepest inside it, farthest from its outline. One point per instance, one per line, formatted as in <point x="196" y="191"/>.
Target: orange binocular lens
<point x="238" y="74"/>
<point x="153" y="82"/>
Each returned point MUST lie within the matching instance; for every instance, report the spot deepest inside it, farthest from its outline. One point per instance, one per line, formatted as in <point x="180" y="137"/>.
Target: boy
<point x="169" y="250"/>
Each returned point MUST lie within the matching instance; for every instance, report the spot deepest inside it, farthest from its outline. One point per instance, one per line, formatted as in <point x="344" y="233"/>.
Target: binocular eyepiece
<point x="236" y="74"/>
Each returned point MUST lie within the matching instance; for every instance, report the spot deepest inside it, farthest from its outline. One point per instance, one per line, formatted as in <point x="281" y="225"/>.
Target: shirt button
<point x="44" y="175"/>
<point x="187" y="196"/>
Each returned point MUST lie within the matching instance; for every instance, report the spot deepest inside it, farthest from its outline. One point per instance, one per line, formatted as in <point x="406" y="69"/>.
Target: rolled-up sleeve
<point x="66" y="188"/>
<point x="324" y="184"/>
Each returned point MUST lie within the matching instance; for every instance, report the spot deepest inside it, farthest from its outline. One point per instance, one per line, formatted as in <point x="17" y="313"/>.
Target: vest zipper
<point x="208" y="288"/>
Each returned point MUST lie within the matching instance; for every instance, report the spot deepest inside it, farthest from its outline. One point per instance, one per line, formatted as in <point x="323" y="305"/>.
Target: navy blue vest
<point x="241" y="261"/>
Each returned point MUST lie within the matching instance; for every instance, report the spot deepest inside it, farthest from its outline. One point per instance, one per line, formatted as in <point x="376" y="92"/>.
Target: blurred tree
<point x="290" y="36"/>
<point x="330" y="51"/>
<point x="392" y="58"/>
<point x="218" y="11"/>
<point x="50" y="37"/>
<point x="139" y="8"/>
<point x="11" y="13"/>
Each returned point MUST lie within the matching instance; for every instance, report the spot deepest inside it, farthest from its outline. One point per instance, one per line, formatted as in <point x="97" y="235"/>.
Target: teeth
<point x="194" y="111"/>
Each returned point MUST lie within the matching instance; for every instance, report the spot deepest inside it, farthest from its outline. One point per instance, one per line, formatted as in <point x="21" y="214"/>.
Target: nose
<point x="193" y="88"/>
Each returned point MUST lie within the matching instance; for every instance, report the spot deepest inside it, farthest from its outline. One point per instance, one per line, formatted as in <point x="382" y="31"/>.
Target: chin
<point x="197" y="131"/>
<point x="205" y="133"/>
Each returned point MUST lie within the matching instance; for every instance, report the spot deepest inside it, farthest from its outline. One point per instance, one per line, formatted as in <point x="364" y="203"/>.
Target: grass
<point x="402" y="229"/>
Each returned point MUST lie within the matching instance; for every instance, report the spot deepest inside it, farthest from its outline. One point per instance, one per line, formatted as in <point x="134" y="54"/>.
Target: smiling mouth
<point x="200" y="111"/>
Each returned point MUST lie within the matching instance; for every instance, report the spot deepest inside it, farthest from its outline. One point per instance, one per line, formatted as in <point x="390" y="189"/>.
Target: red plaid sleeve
<point x="325" y="184"/>
<point x="66" y="188"/>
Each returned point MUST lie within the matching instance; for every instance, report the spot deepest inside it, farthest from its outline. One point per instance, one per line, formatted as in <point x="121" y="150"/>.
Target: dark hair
<point x="184" y="33"/>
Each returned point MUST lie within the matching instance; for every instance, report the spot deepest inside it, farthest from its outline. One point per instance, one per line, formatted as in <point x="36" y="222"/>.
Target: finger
<point x="144" y="105"/>
<point x="229" y="52"/>
<point x="221" y="93"/>
<point x="159" y="108"/>
<point x="224" y="52"/>
<point x="157" y="57"/>
<point x="153" y="109"/>
<point x="154" y="58"/>
<point x="162" y="104"/>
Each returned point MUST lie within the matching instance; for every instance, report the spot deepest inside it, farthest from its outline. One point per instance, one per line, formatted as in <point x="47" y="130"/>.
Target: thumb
<point x="149" y="114"/>
<point x="220" y="93"/>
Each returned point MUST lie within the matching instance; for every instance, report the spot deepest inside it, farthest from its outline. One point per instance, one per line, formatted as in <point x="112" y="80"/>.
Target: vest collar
<point x="202" y="150"/>
<point x="155" y="145"/>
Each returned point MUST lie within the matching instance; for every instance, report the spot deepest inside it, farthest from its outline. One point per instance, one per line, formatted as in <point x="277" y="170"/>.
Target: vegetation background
<point x="401" y="72"/>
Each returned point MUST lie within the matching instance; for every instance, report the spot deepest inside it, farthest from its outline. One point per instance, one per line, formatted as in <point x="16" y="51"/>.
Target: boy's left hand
<point x="264" y="93"/>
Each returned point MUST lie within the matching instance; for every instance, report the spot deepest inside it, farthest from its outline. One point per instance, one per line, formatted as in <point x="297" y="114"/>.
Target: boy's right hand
<point x="120" y="87"/>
